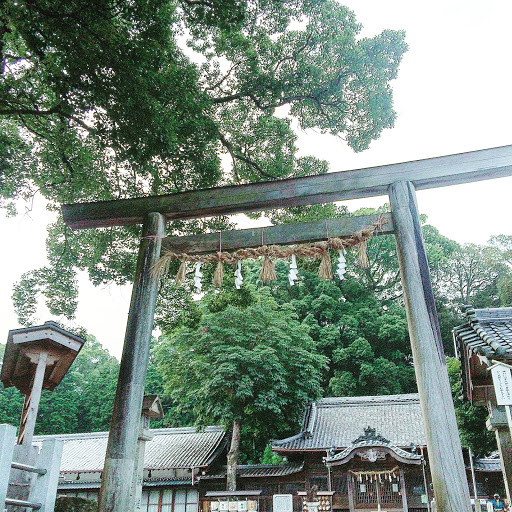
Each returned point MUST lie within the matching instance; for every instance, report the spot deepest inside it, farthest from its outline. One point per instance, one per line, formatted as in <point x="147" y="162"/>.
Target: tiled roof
<point x="337" y="422"/>
<point x="487" y="332"/>
<point x="148" y="482"/>
<point x="170" y="448"/>
<point x="260" y="470"/>
<point x="488" y="464"/>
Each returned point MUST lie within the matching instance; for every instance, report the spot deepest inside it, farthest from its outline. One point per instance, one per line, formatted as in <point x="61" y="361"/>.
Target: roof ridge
<point x="376" y="399"/>
<point x="256" y="466"/>
<point x="155" y="431"/>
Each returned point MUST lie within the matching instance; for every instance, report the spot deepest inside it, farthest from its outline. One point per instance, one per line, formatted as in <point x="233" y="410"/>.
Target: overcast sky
<point x="453" y="94"/>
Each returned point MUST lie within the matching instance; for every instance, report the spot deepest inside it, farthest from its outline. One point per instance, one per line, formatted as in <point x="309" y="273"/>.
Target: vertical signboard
<point x="502" y="380"/>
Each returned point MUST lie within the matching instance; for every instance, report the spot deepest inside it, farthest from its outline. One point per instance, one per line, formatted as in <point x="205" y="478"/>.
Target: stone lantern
<point x="151" y="409"/>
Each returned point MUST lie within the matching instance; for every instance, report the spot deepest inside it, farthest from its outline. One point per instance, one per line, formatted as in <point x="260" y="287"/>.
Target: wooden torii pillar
<point x="399" y="181"/>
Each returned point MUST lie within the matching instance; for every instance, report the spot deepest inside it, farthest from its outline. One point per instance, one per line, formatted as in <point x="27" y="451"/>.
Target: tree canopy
<point x="126" y="98"/>
<point x="104" y="99"/>
<point x="108" y="100"/>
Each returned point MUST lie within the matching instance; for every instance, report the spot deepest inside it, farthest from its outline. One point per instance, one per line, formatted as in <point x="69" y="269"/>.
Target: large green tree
<point x="503" y="243"/>
<point x="247" y="363"/>
<point x="472" y="275"/>
<point x="105" y="99"/>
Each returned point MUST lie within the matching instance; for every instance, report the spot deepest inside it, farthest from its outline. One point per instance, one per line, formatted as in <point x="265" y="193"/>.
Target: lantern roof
<point x="24" y="347"/>
<point x="152" y="407"/>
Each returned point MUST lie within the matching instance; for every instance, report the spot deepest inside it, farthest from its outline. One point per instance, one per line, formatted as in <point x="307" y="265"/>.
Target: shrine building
<point x="362" y="453"/>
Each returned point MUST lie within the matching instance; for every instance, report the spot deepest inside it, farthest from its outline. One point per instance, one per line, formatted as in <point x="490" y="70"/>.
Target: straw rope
<point x="316" y="250"/>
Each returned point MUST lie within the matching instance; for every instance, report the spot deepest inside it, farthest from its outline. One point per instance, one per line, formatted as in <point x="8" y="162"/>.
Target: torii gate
<point x="399" y="181"/>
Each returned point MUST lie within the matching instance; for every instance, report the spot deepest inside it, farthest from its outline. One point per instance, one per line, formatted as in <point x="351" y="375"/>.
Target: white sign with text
<point x="502" y="380"/>
<point x="283" y="503"/>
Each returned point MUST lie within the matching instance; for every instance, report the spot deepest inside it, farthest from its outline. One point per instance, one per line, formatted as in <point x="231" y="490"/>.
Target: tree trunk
<point x="234" y="450"/>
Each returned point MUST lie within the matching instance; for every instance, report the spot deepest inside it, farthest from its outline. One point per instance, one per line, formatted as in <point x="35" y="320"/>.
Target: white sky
<point x="453" y="94"/>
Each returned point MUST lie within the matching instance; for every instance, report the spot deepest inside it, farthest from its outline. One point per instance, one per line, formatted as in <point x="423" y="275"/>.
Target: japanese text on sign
<point x="502" y="380"/>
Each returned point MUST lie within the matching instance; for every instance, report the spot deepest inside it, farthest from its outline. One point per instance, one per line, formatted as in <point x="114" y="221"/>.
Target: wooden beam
<point x="29" y="425"/>
<point x="284" y="234"/>
<point x="337" y="186"/>
<point x="443" y="443"/>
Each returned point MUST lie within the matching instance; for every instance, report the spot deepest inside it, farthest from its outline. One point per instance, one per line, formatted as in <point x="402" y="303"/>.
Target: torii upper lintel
<point x="336" y="186"/>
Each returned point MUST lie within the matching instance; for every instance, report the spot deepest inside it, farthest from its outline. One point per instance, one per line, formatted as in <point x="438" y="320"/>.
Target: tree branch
<point x="238" y="156"/>
<point x="225" y="77"/>
<point x="42" y="113"/>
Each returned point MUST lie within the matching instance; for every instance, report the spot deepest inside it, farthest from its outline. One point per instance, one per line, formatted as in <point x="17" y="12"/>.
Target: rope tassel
<point x="218" y="276"/>
<point x="182" y="272"/>
<point x="325" y="269"/>
<point x="363" y="255"/>
<point x="268" y="269"/>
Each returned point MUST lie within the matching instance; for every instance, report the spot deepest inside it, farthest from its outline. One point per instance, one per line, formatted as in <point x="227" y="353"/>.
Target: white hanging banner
<point x="197" y="277"/>
<point x="502" y="380"/>
<point x="238" y="275"/>
<point x="293" y="274"/>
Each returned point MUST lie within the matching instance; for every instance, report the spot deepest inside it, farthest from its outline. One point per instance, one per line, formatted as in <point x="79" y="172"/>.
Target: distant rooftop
<point x="171" y="448"/>
<point x="488" y="464"/>
<point x="487" y="332"/>
<point x="337" y="422"/>
<point x="259" y="470"/>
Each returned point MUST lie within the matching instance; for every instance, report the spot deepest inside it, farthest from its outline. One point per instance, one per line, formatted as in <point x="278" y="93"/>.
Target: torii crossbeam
<point x="399" y="181"/>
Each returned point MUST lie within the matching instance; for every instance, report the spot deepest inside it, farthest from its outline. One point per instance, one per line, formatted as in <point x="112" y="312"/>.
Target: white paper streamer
<point x="238" y="275"/>
<point x="341" y="268"/>
<point x="197" y="277"/>
<point x="293" y="274"/>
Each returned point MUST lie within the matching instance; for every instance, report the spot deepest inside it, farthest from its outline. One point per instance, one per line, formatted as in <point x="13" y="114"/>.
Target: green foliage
<point x="255" y="364"/>
<point x="106" y="100"/>
<point x="11" y="401"/>
<point x="68" y="504"/>
<point x="470" y="419"/>
<point x="503" y="243"/>
<point x="505" y="289"/>
<point x="270" y="457"/>
<point x="367" y="344"/>
<point x="472" y="275"/>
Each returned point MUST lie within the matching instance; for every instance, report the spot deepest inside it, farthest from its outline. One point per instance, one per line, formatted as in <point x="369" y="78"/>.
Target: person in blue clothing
<point x="497" y="503"/>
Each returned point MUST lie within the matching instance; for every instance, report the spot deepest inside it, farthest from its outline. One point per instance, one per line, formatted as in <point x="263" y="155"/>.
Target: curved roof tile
<point x="336" y="422"/>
